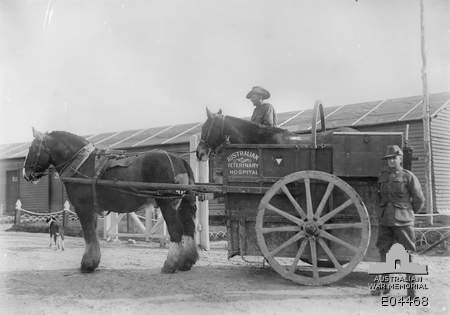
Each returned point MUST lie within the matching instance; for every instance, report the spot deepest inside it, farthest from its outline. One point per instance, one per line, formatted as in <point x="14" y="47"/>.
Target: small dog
<point x="56" y="232"/>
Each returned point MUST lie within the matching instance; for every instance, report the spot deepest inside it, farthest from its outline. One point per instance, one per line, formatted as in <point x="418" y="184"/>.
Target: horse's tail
<point x="190" y="197"/>
<point x="189" y="171"/>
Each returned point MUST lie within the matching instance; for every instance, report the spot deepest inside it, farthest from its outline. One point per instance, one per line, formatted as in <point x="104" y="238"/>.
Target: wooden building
<point x="400" y="115"/>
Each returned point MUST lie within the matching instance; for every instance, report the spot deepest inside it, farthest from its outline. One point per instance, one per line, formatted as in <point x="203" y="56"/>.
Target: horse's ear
<point x="220" y="111"/>
<point x="37" y="134"/>
<point x="208" y="113"/>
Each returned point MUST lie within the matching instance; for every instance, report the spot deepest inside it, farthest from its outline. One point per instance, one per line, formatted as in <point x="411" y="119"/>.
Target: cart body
<point x="354" y="157"/>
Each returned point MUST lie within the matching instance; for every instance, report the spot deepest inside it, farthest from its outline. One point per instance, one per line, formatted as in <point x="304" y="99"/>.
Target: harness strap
<point x="94" y="194"/>
<point x="80" y="157"/>
<point x="99" y="167"/>
<point x="171" y="163"/>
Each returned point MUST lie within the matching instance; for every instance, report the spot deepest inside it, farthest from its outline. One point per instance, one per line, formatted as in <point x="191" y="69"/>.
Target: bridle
<point x="60" y="168"/>
<point x="35" y="164"/>
<point x="225" y="138"/>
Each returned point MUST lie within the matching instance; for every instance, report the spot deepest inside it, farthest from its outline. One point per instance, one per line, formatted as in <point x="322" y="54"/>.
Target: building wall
<point x="440" y="146"/>
<point x="50" y="194"/>
<point x="5" y="166"/>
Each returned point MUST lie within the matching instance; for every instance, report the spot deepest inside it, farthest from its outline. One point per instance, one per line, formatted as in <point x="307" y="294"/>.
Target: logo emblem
<point x="278" y="160"/>
<point x="397" y="261"/>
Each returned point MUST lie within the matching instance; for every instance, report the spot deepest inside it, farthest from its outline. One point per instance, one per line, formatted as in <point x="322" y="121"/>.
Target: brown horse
<point x="220" y="129"/>
<point x="73" y="156"/>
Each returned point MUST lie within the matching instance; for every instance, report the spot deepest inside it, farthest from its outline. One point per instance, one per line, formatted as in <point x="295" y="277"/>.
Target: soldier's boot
<point x="411" y="292"/>
<point x="383" y="287"/>
<point x="376" y="291"/>
<point x="386" y="288"/>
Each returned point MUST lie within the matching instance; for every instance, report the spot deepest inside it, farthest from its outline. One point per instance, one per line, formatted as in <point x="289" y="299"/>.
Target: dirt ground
<point x="37" y="280"/>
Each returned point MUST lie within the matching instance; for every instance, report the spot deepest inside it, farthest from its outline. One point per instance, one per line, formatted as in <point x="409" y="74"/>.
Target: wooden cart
<point x="310" y="210"/>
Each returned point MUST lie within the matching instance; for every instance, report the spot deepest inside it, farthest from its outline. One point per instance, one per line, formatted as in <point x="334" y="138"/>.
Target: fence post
<point x="18" y="208"/>
<point x="106" y="225"/>
<point x="115" y="220"/>
<point x="65" y="214"/>
<point x="149" y="210"/>
<point x="203" y="177"/>
<point x="194" y="164"/>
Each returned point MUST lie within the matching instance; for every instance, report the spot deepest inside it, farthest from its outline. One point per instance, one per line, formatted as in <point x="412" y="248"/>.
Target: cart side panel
<point x="360" y="154"/>
<point x="242" y="211"/>
<point x="260" y="167"/>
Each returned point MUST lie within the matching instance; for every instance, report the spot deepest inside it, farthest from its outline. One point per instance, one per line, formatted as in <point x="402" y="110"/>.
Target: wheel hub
<point x="312" y="228"/>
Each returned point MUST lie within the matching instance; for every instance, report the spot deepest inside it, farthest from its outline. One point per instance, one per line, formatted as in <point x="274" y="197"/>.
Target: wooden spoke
<point x="332" y="213"/>
<point x="333" y="238"/>
<point x="293" y="201"/>
<point x="309" y="209"/>
<point x="332" y="226"/>
<point x="299" y="254"/>
<point x="290" y="241"/>
<point x="284" y="214"/>
<point x="315" y="270"/>
<point x="288" y="228"/>
<point x="324" y="200"/>
<point x="330" y="254"/>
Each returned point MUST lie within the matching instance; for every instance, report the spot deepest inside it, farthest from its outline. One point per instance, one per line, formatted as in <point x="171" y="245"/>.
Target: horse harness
<point x="226" y="139"/>
<point x="105" y="160"/>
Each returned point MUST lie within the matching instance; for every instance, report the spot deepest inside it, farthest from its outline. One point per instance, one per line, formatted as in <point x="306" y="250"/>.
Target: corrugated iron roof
<point x="360" y="114"/>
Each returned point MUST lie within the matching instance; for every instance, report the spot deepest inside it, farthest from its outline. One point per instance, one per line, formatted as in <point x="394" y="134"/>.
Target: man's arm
<point x="418" y="200"/>
<point x="269" y="116"/>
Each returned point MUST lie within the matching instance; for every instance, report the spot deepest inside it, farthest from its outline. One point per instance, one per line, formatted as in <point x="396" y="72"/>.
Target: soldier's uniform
<point x="264" y="113"/>
<point x="400" y="196"/>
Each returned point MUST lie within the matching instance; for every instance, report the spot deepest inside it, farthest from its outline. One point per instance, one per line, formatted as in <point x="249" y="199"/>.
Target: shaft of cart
<point x="196" y="188"/>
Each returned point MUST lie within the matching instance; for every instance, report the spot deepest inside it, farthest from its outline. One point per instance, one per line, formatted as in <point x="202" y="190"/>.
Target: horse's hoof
<point x="189" y="259"/>
<point x="189" y="254"/>
<point x="88" y="266"/>
<point x="186" y="266"/>
<point x="87" y="269"/>
<point x="168" y="268"/>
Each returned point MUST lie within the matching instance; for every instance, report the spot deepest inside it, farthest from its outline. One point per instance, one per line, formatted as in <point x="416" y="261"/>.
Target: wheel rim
<point x="312" y="228"/>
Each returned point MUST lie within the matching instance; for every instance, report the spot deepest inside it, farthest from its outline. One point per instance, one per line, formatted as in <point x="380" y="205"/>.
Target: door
<point x="12" y="190"/>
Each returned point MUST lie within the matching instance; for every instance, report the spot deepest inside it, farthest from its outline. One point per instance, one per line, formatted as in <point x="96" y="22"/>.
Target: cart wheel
<point x="307" y="232"/>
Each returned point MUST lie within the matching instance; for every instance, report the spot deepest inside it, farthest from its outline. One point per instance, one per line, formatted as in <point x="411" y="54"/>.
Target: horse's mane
<point x="67" y="136"/>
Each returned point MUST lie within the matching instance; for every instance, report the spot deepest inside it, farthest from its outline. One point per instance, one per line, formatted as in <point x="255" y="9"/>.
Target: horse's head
<point x="57" y="148"/>
<point x="38" y="159"/>
<point x="212" y="134"/>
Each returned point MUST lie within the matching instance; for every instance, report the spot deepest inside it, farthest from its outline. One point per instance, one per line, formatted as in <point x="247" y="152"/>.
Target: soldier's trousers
<point x="389" y="235"/>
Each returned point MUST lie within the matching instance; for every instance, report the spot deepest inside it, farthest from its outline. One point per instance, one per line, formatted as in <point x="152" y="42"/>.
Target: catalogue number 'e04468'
<point x="404" y="301"/>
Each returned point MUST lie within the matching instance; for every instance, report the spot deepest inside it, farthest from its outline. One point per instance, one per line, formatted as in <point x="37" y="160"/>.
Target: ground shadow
<point x="211" y="283"/>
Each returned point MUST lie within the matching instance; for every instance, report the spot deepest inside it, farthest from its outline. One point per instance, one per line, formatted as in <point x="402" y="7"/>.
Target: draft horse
<point x="74" y="156"/>
<point x="219" y="129"/>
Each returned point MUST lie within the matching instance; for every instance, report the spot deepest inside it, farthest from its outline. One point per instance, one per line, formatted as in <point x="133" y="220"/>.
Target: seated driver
<point x="264" y="113"/>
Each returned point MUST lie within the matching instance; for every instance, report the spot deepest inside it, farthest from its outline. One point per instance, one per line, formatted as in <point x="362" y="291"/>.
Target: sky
<point x="110" y="65"/>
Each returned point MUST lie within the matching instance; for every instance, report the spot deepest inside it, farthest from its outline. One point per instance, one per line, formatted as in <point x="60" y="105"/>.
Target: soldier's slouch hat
<point x="259" y="91"/>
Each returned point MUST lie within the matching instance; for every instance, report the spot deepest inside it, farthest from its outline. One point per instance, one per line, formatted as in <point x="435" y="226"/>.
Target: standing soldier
<point x="264" y="113"/>
<point x="400" y="196"/>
